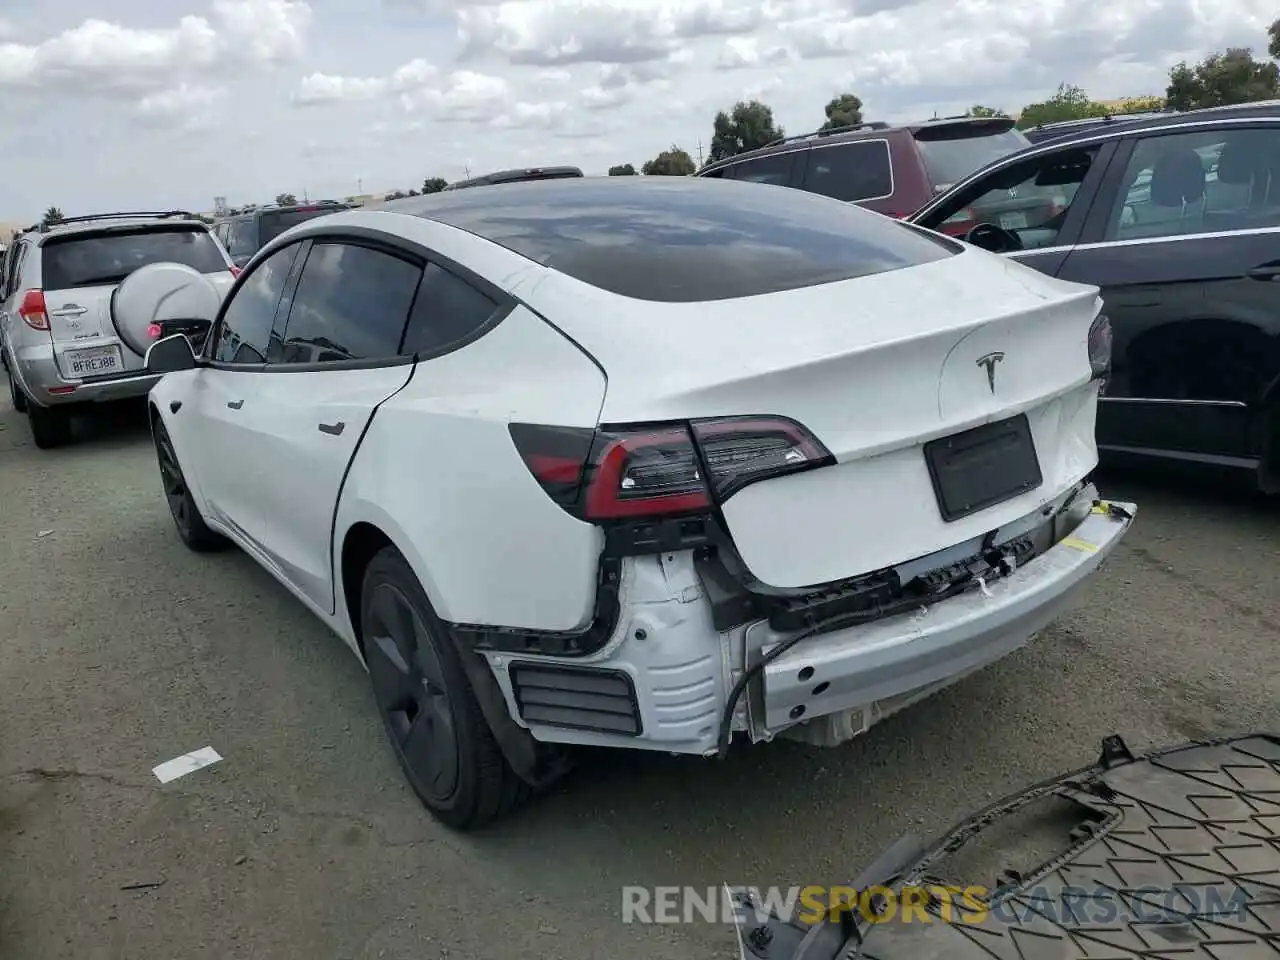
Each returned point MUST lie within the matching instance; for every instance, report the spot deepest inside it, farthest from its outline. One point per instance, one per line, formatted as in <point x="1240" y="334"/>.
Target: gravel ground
<point x="121" y="649"/>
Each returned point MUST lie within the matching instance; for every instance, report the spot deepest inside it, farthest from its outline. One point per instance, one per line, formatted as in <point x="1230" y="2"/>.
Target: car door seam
<point x="342" y="485"/>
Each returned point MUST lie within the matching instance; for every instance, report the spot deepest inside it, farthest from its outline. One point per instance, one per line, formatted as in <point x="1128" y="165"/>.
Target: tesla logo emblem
<point x="988" y="363"/>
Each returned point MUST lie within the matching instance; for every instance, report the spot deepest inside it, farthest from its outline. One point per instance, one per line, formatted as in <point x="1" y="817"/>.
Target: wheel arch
<point x="535" y="763"/>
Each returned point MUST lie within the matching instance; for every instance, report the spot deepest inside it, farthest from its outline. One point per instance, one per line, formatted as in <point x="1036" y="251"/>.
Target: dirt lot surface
<point x="120" y="649"/>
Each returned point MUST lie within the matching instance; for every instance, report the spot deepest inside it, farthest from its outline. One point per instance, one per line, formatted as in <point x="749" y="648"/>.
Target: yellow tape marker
<point x="1075" y="543"/>
<point x="1103" y="508"/>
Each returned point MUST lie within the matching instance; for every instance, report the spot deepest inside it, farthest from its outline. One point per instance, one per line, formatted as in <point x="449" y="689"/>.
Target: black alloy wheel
<point x="437" y="731"/>
<point x="186" y="515"/>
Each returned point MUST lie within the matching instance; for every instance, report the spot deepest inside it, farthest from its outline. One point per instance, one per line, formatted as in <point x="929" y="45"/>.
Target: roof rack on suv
<point x="831" y="131"/>
<point x="44" y="227"/>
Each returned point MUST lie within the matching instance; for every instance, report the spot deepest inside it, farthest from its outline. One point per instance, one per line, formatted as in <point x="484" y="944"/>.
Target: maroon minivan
<point x="890" y="169"/>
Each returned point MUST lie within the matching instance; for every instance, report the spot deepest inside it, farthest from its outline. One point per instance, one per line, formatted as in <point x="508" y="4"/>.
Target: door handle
<point x="235" y="404"/>
<point x="333" y="429"/>
<point x="70" y="310"/>
<point x="1265" y="271"/>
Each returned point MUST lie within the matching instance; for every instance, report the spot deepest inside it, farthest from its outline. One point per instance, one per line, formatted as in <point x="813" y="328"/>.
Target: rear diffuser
<point x="1175" y="854"/>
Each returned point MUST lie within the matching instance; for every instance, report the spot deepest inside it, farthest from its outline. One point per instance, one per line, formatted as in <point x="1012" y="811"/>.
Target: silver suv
<point x="60" y="344"/>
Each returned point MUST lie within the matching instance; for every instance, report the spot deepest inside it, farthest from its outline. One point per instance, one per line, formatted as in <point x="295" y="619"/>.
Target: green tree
<point x="978" y="110"/>
<point x="1140" y="105"/>
<point x="622" y="170"/>
<point x="52" y="215"/>
<point x="1069" y="103"/>
<point x="395" y="195"/>
<point x="842" y="111"/>
<point x="748" y="126"/>
<point x="1273" y="36"/>
<point x="1222" y="79"/>
<point x="434" y="184"/>
<point x="669" y="163"/>
<point x="286" y="199"/>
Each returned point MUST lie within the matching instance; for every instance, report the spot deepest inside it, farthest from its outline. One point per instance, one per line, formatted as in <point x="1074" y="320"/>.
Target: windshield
<point x="951" y="160"/>
<point x="95" y="258"/>
<point x="274" y="224"/>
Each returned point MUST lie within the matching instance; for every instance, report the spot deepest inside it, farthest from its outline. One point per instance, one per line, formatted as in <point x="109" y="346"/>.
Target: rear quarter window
<point x="684" y="240"/>
<point x="89" y="259"/>
<point x="852" y="171"/>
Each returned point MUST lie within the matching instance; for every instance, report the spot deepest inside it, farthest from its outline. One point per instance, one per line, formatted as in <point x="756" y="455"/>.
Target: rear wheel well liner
<point x="537" y="764"/>
<point x="360" y="544"/>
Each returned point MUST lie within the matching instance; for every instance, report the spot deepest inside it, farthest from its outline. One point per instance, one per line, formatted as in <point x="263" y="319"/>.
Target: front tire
<point x="182" y="506"/>
<point x="50" y="426"/>
<point x="439" y="735"/>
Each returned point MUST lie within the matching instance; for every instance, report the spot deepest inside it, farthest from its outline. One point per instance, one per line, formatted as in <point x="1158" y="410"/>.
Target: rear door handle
<point x="235" y="404"/>
<point x="1265" y="271"/>
<point x="333" y="429"/>
<point x="70" y="310"/>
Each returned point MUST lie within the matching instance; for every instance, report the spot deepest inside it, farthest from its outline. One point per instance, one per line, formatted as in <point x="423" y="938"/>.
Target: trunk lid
<point x="875" y="368"/>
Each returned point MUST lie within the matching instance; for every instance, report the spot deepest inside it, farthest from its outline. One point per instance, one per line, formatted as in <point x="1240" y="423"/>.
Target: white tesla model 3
<point x="636" y="462"/>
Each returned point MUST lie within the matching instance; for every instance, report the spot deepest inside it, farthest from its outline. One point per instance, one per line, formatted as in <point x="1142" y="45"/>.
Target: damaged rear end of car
<point x="829" y="481"/>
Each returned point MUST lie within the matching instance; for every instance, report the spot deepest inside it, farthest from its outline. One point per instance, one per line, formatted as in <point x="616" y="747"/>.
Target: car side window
<point x="447" y="310"/>
<point x="16" y="257"/>
<point x="1205" y="181"/>
<point x="245" y="328"/>
<point x="1030" y="200"/>
<point x="240" y="237"/>
<point x="773" y="168"/>
<point x="859" y="170"/>
<point x="352" y="303"/>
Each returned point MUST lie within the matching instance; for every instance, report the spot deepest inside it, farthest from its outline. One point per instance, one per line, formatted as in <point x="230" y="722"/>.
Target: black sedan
<point x="1177" y="219"/>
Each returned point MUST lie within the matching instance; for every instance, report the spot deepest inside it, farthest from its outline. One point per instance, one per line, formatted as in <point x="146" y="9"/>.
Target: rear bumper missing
<point x="663" y="679"/>
<point x="898" y="656"/>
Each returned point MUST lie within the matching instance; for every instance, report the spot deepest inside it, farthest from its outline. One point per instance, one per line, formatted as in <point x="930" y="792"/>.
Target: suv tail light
<point x="634" y="472"/>
<point x="234" y="271"/>
<point x="1100" y="347"/>
<point x="33" y="311"/>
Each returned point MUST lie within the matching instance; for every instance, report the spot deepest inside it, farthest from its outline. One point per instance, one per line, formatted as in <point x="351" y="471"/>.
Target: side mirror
<point x="170" y="355"/>
<point x="163" y="298"/>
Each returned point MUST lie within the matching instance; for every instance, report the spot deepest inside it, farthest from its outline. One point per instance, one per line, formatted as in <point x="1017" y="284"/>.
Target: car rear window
<point x="274" y="224"/>
<point x="683" y="240"/>
<point x="951" y="154"/>
<point x="89" y="259"/>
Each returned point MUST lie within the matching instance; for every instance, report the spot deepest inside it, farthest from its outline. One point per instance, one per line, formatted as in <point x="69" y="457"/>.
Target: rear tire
<point x="16" y="396"/>
<point x="439" y="735"/>
<point x="192" y="529"/>
<point x="50" y="426"/>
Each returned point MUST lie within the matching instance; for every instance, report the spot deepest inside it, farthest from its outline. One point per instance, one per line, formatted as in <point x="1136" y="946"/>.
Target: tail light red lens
<point x="1100" y="347"/>
<point x="33" y="310"/>
<point x="633" y="472"/>
<point x="234" y="271"/>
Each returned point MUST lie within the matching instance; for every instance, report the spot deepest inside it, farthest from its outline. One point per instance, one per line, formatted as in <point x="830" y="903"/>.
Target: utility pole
<point x="306" y="197"/>
<point x="699" y="153"/>
<point x="466" y="170"/>
<point x="360" y="186"/>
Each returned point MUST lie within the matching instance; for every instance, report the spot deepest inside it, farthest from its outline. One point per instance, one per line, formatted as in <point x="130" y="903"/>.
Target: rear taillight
<point x="33" y="311"/>
<point x="635" y="472"/>
<point x="154" y="331"/>
<point x="1100" y="347"/>
<point x="234" y="271"/>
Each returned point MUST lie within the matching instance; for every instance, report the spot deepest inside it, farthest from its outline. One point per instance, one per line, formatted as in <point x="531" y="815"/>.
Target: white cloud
<point x="489" y="84"/>
<point x="101" y="58"/>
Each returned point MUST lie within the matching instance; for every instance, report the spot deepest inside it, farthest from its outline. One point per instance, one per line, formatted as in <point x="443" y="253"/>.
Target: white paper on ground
<point x="187" y="763"/>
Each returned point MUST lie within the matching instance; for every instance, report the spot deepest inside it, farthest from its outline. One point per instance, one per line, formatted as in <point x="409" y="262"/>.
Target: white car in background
<point x="637" y="462"/>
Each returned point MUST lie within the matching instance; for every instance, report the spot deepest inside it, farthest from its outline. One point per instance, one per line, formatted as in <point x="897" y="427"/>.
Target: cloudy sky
<point x="171" y="102"/>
